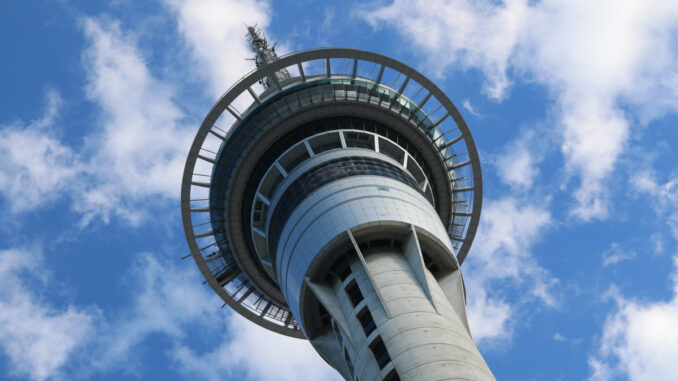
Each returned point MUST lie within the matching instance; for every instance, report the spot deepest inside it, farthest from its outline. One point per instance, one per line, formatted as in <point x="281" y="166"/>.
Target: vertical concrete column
<point x="425" y="342"/>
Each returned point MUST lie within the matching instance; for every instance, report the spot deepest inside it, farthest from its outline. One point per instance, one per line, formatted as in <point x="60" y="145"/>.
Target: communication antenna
<point x="264" y="55"/>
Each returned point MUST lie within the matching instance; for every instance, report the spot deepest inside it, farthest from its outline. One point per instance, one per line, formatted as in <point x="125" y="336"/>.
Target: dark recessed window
<point x="392" y="376"/>
<point x="359" y="140"/>
<point x="432" y="267"/>
<point x="380" y="242"/>
<point x="380" y="354"/>
<point x="341" y="268"/>
<point x="363" y="246"/>
<point x="354" y="293"/>
<point x="365" y="318"/>
<point x="434" y="270"/>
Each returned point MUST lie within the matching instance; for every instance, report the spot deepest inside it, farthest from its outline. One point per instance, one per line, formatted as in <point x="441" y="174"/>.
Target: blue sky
<point x="573" y="106"/>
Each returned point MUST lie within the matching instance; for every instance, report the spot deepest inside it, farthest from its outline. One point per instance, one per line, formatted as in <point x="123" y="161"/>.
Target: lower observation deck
<point x="239" y="159"/>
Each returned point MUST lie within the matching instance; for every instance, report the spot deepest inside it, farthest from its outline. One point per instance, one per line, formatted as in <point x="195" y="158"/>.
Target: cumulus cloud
<point x="215" y="33"/>
<point x="469" y="107"/>
<point x="558" y="337"/>
<point x="132" y="157"/>
<point x="639" y="340"/>
<point x="502" y="253"/>
<point x="165" y="299"/>
<point x="664" y="200"/>
<point x="657" y="242"/>
<point x="482" y="34"/>
<point x="257" y="353"/>
<point x="138" y="150"/>
<point x="489" y="317"/>
<point x="517" y="164"/>
<point x="595" y="63"/>
<point x="615" y="254"/>
<point x="134" y="154"/>
<point x="37" y="166"/>
<point x="37" y="337"/>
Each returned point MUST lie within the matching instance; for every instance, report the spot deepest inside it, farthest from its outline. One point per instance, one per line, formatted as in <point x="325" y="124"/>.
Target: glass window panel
<point x="391" y="150"/>
<point x="366" y="321"/>
<point x="354" y="293"/>
<point x="380" y="353"/>
<point x="325" y="142"/>
<point x="359" y="140"/>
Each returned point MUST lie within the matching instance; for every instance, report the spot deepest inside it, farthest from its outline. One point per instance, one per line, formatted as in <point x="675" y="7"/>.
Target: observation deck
<point x="245" y="171"/>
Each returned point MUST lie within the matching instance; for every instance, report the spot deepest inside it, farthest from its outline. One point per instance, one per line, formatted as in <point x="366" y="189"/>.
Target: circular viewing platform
<point x="255" y="138"/>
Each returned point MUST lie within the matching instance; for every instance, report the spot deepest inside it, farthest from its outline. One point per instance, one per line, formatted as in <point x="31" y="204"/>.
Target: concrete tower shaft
<point x="352" y="265"/>
<point x="338" y="207"/>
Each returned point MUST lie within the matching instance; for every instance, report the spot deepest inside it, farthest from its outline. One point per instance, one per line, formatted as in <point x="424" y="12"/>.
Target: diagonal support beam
<point x="416" y="260"/>
<point x="329" y="301"/>
<point x="369" y="274"/>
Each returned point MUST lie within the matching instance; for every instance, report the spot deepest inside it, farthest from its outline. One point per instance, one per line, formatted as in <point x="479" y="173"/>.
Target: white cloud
<point x="600" y="371"/>
<point x="508" y="229"/>
<point x="662" y="194"/>
<point x="482" y="35"/>
<point x="639" y="340"/>
<point x="615" y="254"/>
<point x="36" y="165"/>
<point x="489" y="317"/>
<point x="517" y="163"/>
<point x="664" y="198"/>
<point x="168" y="300"/>
<point x="658" y="243"/>
<point x="502" y="253"/>
<point x="139" y="147"/>
<point x="594" y="136"/>
<point x="165" y="299"/>
<point x="257" y="353"/>
<point x="592" y="60"/>
<point x="469" y="107"/>
<point x="139" y="152"/>
<point x="133" y="155"/>
<point x="37" y="337"/>
<point x="215" y="32"/>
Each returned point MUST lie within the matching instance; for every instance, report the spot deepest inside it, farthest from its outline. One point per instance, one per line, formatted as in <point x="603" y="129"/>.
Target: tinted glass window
<point x="366" y="321"/>
<point x="354" y="293"/>
<point x="392" y="376"/>
<point x="380" y="354"/>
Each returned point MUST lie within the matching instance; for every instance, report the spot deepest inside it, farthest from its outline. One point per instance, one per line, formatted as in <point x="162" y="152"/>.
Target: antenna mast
<point x="264" y="55"/>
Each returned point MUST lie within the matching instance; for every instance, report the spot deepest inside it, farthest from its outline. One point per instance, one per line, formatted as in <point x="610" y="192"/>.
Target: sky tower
<point x="332" y="195"/>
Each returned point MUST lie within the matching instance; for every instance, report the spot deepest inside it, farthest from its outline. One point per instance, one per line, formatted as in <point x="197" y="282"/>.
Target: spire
<point x="264" y="55"/>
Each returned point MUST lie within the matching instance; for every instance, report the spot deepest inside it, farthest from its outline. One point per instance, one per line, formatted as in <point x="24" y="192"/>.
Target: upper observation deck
<point x="267" y="125"/>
